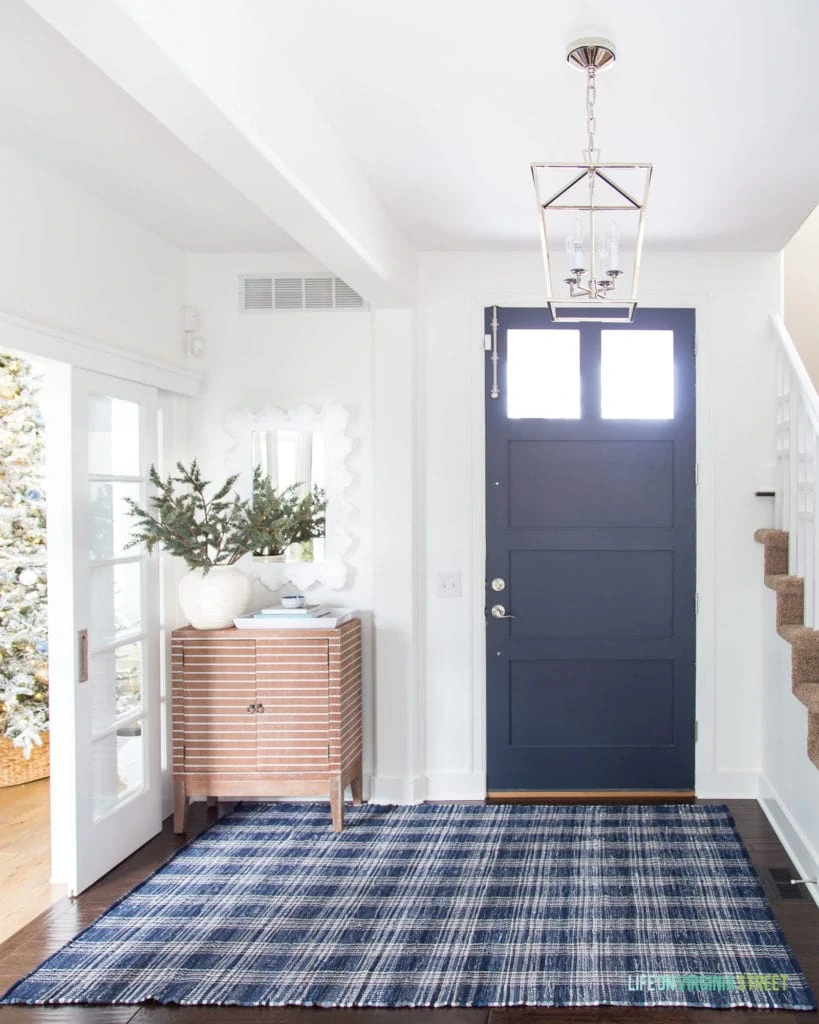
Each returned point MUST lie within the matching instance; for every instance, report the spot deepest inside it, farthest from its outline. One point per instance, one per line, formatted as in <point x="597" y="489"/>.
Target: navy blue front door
<point x="590" y="565"/>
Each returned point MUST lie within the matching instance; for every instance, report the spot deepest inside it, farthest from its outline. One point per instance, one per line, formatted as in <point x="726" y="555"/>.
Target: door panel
<point x="600" y="687"/>
<point x="592" y="593"/>
<point x="590" y="526"/>
<point x="637" y="478"/>
<point x="293" y="687"/>
<point x="219" y="705"/>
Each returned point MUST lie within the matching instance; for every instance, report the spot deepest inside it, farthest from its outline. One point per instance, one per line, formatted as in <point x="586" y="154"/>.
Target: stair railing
<point x="797" y="453"/>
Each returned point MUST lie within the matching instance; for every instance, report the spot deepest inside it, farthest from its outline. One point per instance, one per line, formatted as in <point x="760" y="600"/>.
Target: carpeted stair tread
<point x="776" y="551"/>
<point x="776" y="538"/>
<point x="808" y="693"/>
<point x="785" y="583"/>
<point x="790" y="625"/>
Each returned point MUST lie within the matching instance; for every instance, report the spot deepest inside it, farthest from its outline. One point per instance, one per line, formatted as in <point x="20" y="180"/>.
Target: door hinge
<point x="696" y="474"/>
<point x="696" y="731"/>
<point x="695" y="344"/>
<point x="487" y="342"/>
<point x="696" y="604"/>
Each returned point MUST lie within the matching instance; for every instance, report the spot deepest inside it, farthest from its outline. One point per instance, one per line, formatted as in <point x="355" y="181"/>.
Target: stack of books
<point x="315" y="617"/>
<point x="307" y="611"/>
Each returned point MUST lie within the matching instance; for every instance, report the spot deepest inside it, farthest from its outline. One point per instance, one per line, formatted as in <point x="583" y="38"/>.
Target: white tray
<point x="335" y="617"/>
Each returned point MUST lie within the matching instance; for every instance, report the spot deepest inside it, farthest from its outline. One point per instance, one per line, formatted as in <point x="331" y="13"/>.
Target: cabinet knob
<point x="260" y="709"/>
<point x="251" y="709"/>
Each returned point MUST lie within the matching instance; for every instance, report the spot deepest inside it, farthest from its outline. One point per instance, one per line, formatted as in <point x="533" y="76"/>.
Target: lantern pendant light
<point x="591" y="218"/>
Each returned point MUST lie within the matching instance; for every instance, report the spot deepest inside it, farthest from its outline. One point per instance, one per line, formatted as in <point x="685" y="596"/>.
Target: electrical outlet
<point x="448" y="584"/>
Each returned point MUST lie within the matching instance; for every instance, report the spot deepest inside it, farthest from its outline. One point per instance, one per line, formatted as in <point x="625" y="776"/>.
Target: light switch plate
<point x="448" y="584"/>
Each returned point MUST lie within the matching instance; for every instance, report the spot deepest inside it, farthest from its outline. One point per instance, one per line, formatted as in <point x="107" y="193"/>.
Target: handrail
<point x="796" y="508"/>
<point x="797" y="366"/>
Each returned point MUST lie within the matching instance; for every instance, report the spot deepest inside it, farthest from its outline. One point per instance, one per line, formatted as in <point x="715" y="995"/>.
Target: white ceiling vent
<point x="260" y="294"/>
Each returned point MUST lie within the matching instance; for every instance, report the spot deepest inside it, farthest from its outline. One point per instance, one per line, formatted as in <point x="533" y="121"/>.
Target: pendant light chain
<point x="591" y="122"/>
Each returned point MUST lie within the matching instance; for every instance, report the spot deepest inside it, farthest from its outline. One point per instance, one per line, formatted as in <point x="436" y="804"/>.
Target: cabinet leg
<point x="356" y="785"/>
<point x="337" y="804"/>
<point x="213" y="801"/>
<point x="180" y="806"/>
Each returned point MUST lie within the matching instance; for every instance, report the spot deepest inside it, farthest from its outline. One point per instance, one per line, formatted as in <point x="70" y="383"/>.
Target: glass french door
<point x="104" y="631"/>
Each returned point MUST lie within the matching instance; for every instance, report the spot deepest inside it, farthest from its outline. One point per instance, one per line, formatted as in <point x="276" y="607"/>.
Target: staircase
<point x="804" y="641"/>
<point x="792" y="549"/>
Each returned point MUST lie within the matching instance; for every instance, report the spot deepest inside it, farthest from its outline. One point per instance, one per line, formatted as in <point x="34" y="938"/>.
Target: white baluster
<point x="802" y="491"/>
<point x="792" y="483"/>
<point x="779" y="467"/>
<point x="811" y="575"/>
<point x="808" y="555"/>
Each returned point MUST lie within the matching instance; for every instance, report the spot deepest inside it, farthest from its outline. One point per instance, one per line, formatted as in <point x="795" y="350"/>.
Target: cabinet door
<point x="219" y="699"/>
<point x="292" y="684"/>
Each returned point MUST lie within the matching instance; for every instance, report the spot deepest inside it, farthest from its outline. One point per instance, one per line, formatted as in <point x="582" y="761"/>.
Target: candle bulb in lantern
<point x="614" y="247"/>
<point x="574" y="246"/>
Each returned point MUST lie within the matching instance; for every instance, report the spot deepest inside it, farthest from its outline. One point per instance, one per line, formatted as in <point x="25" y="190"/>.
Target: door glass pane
<point x="543" y="374"/>
<point x="116" y="684"/>
<point x="115" y="602"/>
<point x="113" y="436"/>
<point x="118" y="766"/>
<point x="637" y="375"/>
<point x="110" y="524"/>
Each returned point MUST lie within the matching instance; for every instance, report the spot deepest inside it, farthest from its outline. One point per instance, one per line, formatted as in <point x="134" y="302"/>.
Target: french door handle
<point x="82" y="643"/>
<point x="499" y="612"/>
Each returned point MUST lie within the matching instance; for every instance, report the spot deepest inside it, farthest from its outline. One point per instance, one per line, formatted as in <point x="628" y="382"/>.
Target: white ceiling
<point x="62" y="111"/>
<point x="444" y="103"/>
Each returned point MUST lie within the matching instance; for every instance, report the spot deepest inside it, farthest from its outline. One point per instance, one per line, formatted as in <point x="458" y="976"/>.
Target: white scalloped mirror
<point x="308" y="447"/>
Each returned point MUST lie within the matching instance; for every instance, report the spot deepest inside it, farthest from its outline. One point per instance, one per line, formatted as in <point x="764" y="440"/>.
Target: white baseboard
<point x="456" y="786"/>
<point x="397" y="789"/>
<point x="805" y="858"/>
<point x="727" y="785"/>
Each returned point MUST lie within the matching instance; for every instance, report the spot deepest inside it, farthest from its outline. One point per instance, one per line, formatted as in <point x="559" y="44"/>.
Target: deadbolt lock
<point x="498" y="584"/>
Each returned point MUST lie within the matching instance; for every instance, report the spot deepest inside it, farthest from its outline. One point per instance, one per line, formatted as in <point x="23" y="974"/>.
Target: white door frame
<point x="58" y="351"/>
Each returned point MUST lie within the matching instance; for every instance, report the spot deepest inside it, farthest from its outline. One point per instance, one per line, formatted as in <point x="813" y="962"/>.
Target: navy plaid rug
<point x="441" y="906"/>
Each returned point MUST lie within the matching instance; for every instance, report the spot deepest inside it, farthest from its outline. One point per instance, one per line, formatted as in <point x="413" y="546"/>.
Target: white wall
<point x="67" y="261"/>
<point x="801" y="294"/>
<point x="789" y="784"/>
<point x="419" y="492"/>
<point x="287" y="359"/>
<point x="733" y="295"/>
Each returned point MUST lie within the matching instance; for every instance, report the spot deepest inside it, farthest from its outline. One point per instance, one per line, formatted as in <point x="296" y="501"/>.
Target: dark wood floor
<point x="21" y="953"/>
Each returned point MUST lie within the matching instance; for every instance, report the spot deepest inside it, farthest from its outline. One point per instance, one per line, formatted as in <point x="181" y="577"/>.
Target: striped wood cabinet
<point x="266" y="713"/>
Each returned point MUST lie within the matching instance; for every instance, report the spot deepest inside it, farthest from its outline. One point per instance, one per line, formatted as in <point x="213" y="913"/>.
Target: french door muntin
<point x="106" y="705"/>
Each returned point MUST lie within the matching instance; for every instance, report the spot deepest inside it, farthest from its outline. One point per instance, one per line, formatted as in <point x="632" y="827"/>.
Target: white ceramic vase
<point x="214" y="599"/>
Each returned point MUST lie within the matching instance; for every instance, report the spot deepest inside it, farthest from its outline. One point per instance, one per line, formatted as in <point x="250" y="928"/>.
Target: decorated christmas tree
<point x="23" y="619"/>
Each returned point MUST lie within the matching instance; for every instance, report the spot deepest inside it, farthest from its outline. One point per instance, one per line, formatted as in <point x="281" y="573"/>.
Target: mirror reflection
<point x="293" y="457"/>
